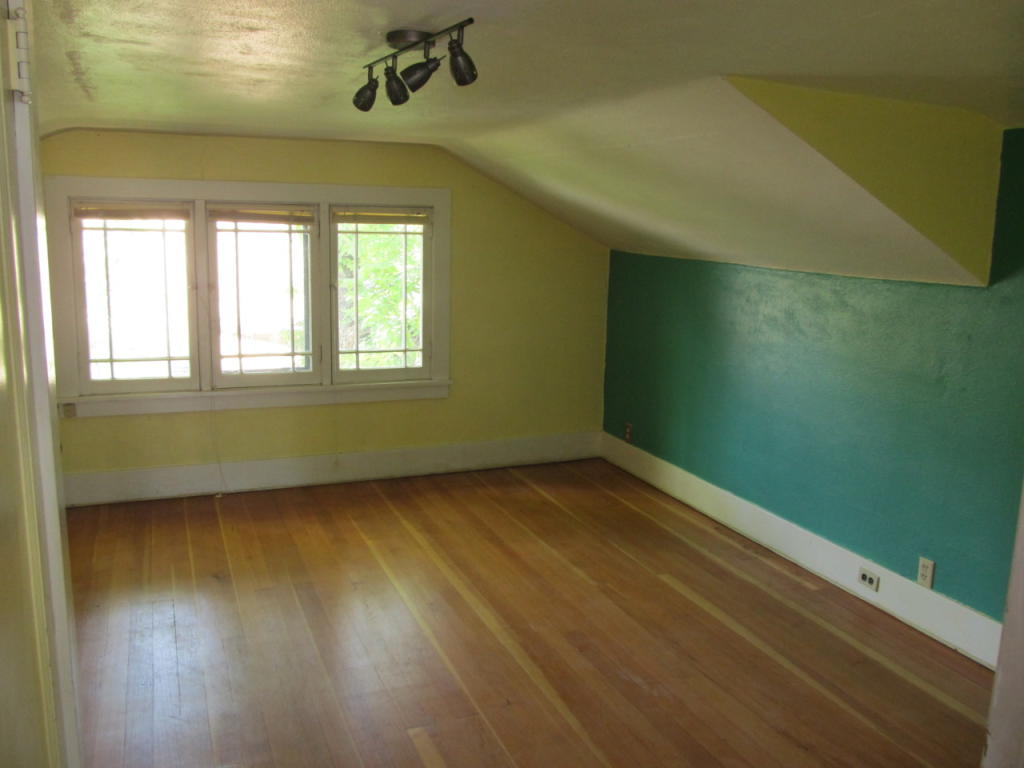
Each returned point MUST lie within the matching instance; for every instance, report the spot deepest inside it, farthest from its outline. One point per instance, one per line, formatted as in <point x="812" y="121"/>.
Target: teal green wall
<point x="887" y="417"/>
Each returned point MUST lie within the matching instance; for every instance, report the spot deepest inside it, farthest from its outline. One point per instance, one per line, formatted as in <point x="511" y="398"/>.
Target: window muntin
<point x="383" y="286"/>
<point x="134" y="303"/>
<point x="263" y="262"/>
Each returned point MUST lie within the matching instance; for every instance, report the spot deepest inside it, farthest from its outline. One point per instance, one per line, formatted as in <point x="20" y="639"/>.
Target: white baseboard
<point x="163" y="482"/>
<point x="955" y="624"/>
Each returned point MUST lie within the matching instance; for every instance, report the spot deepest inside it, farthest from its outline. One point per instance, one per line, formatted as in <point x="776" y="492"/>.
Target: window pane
<point x="346" y="292"/>
<point x="100" y="371"/>
<point x="263" y="304"/>
<point x="228" y="292"/>
<point x="381" y="288"/>
<point x="414" y="293"/>
<point x="177" y="294"/>
<point x="381" y="360"/>
<point x="146" y="225"/>
<point x="413" y="359"/>
<point x="94" y="257"/>
<point x="262" y="226"/>
<point x="347" y="362"/>
<point x="299" y="299"/>
<point x="266" y="364"/>
<point x="136" y="289"/>
<point x="181" y="369"/>
<point x="137" y="297"/>
<point x="142" y="369"/>
<point x="380" y="227"/>
<point x="380" y="294"/>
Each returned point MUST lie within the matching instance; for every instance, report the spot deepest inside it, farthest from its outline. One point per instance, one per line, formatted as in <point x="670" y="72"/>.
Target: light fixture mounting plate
<point x="402" y="38"/>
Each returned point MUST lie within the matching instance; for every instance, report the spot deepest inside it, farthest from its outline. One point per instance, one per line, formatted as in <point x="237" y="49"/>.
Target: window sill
<point x="234" y="399"/>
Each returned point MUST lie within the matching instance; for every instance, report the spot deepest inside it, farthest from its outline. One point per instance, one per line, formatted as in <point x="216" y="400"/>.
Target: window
<point x="176" y="295"/>
<point x="133" y="270"/>
<point x="380" y="257"/>
<point x="263" y="319"/>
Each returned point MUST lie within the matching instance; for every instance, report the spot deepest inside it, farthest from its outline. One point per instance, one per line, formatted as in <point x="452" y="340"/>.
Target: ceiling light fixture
<point x="415" y="76"/>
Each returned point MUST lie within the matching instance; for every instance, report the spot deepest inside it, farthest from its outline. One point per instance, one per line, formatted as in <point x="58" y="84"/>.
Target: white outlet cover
<point x="925" y="572"/>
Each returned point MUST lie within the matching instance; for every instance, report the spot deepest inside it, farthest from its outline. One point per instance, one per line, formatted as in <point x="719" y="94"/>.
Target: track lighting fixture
<point x="415" y="76"/>
<point x="366" y="95"/>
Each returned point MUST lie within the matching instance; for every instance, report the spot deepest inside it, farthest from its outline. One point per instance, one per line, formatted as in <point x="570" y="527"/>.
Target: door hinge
<point x="17" y="55"/>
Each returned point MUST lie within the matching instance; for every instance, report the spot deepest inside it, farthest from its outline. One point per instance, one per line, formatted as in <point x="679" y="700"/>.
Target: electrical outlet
<point x="629" y="432"/>
<point x="925" y="572"/>
<point x="869" y="579"/>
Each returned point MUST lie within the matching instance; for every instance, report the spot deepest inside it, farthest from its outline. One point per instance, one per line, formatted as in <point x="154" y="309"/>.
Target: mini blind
<point x="130" y="211"/>
<point x="385" y="216"/>
<point x="296" y="215"/>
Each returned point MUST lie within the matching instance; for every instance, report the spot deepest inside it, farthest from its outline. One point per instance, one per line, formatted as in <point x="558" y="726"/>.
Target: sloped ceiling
<point x="615" y="116"/>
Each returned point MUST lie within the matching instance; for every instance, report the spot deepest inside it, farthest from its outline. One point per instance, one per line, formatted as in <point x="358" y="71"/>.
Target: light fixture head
<point x="416" y="75"/>
<point x="397" y="92"/>
<point x="367" y="94"/>
<point x="463" y="68"/>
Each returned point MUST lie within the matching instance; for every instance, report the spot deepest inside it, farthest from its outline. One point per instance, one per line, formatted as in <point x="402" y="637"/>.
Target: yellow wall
<point x="936" y="167"/>
<point x="528" y="310"/>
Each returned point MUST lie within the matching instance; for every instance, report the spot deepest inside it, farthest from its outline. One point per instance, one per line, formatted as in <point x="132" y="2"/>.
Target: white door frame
<point x="1006" y="715"/>
<point x="34" y="287"/>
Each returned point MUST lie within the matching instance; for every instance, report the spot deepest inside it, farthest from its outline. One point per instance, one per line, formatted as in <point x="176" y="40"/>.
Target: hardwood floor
<point x="554" y="616"/>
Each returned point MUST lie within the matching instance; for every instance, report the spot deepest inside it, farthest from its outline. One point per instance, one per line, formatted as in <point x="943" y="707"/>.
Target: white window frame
<point x="78" y="400"/>
<point x="316" y="298"/>
<point x="407" y="374"/>
<point x="90" y="386"/>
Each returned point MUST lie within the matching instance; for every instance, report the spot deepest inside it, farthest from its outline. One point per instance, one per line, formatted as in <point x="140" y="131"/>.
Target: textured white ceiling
<point x="709" y="174"/>
<point x="605" y="80"/>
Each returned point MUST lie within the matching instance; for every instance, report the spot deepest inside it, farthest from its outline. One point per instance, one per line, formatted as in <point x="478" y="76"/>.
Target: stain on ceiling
<point x="602" y="85"/>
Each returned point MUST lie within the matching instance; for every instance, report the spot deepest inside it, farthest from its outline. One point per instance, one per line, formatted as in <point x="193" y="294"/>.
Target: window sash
<point x="343" y="221"/>
<point x="299" y="220"/>
<point x="82" y="211"/>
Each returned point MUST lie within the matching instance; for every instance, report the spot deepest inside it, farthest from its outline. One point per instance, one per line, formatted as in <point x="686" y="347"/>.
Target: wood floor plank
<point x="963" y="684"/>
<point x="916" y="721"/>
<point x="698" y="715"/>
<point x="237" y="727"/>
<point x="556" y="615"/>
<point x="303" y="721"/>
<point x="749" y="691"/>
<point x="407" y="683"/>
<point x="511" y="578"/>
<point x="526" y="720"/>
<point x="578" y="692"/>
<point x="843" y="669"/>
